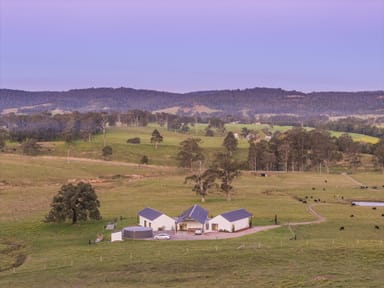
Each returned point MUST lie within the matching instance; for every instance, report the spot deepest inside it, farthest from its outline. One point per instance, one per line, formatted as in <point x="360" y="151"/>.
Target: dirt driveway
<point x="182" y="235"/>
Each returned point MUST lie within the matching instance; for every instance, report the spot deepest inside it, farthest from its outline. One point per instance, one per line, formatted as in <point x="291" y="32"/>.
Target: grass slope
<point x="59" y="255"/>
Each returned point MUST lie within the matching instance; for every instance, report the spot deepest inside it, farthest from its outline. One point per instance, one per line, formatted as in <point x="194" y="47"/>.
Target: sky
<point x="194" y="45"/>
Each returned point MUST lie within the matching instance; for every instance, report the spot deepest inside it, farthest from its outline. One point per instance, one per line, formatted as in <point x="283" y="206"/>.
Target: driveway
<point x="182" y="235"/>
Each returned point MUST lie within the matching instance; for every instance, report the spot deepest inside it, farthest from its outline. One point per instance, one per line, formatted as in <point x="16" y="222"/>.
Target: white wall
<point x="224" y="224"/>
<point x="163" y="222"/>
<point x="117" y="236"/>
<point x="241" y="224"/>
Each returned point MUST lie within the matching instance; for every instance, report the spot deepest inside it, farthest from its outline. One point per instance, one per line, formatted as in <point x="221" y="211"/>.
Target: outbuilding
<point x="231" y="221"/>
<point x="116" y="236"/>
<point x="158" y="221"/>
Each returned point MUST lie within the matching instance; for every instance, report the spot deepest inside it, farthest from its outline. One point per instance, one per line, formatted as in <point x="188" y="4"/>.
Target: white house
<point x="192" y="219"/>
<point x="231" y="221"/>
<point x="157" y="220"/>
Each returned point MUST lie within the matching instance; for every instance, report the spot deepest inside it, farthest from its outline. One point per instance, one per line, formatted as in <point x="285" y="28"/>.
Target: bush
<point x="135" y="140"/>
<point x="209" y="133"/>
<point x="144" y="160"/>
<point x="107" y="152"/>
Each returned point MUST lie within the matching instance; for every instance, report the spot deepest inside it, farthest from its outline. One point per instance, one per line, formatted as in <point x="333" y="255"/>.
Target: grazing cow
<point x="377" y="227"/>
<point x="382" y="215"/>
<point x="341" y="228"/>
<point x="352" y="215"/>
<point x="313" y="188"/>
<point x="373" y="208"/>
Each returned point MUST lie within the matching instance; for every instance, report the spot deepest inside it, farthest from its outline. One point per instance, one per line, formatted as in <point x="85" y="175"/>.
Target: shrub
<point x="135" y="140"/>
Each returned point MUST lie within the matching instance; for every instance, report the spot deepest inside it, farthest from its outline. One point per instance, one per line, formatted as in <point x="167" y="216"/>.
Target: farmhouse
<point x="155" y="219"/>
<point x="192" y="219"/>
<point x="231" y="221"/>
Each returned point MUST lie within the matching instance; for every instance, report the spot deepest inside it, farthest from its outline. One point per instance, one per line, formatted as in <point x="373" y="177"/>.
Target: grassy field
<point x="59" y="255"/>
<point x="166" y="153"/>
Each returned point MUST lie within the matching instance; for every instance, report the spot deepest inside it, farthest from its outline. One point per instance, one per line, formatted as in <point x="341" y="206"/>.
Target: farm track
<point x="353" y="180"/>
<point x="107" y="162"/>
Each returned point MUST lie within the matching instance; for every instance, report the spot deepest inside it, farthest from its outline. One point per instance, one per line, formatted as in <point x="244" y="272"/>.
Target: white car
<point x="162" y="236"/>
<point x="198" y="232"/>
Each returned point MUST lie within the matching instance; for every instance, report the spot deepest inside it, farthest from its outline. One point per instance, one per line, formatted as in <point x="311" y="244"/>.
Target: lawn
<point x="60" y="256"/>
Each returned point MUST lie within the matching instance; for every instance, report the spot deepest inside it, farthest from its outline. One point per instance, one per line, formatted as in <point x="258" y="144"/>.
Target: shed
<point x="117" y="236"/>
<point x="192" y="219"/>
<point x="231" y="221"/>
<point x="158" y="221"/>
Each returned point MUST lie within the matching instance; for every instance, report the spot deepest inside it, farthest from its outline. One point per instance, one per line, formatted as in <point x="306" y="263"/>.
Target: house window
<point x="150" y="224"/>
<point x="206" y="226"/>
<point x="145" y="223"/>
<point x="215" y="227"/>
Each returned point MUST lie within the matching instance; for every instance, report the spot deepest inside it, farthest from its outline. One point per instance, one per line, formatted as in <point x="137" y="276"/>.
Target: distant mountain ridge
<point x="246" y="102"/>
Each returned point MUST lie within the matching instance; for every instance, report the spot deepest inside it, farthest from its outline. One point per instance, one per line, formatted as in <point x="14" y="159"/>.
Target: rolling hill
<point x="247" y="102"/>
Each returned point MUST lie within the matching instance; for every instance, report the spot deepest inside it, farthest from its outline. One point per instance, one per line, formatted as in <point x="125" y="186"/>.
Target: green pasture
<point x="58" y="255"/>
<point x="165" y="154"/>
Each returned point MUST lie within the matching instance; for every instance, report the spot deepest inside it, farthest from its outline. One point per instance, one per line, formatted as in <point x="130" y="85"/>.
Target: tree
<point x="156" y="138"/>
<point x="190" y="152"/>
<point x="299" y="146"/>
<point x="209" y="132"/>
<point x="344" y="142"/>
<point x="379" y="153"/>
<point x="227" y="170"/>
<point x="203" y="182"/>
<point x="76" y="202"/>
<point x="104" y="123"/>
<point x="244" y="132"/>
<point x="322" y="148"/>
<point x="3" y="137"/>
<point x="230" y="143"/>
<point x="107" y="152"/>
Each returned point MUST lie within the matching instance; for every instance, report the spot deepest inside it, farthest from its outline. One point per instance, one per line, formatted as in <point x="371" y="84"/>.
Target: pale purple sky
<point x="180" y="46"/>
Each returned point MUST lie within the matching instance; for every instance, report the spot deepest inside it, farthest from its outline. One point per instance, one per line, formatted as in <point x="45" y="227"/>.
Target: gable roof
<point x="196" y="213"/>
<point x="150" y="213"/>
<point x="236" y="215"/>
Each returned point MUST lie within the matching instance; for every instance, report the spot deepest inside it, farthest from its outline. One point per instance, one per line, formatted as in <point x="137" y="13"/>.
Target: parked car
<point x="198" y="232"/>
<point x="162" y="236"/>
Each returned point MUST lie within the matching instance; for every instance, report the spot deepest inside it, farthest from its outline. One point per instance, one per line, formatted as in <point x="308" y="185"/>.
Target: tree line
<point x="294" y="150"/>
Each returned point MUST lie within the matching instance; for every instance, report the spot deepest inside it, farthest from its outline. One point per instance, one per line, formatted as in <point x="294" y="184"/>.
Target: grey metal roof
<point x="196" y="213"/>
<point x="150" y="213"/>
<point x="236" y="215"/>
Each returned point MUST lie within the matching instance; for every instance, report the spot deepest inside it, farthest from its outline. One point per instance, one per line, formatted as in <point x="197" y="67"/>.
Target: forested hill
<point x="234" y="102"/>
